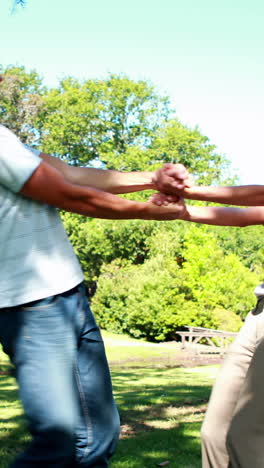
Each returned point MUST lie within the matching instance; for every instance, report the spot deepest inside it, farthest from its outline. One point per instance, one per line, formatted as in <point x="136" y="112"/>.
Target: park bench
<point x="195" y="334"/>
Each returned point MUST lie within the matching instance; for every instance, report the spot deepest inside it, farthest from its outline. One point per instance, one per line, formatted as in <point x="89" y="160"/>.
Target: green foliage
<point x="153" y="278"/>
<point x="177" y="143"/>
<point x="118" y="122"/>
<point x="226" y="320"/>
<point x="100" y="118"/>
<point x="98" y="241"/>
<point x="21" y="102"/>
<point x="213" y="278"/>
<point x="144" y="301"/>
<point x="247" y="243"/>
<point x="167" y="240"/>
<point x="125" y="125"/>
<point x="185" y="284"/>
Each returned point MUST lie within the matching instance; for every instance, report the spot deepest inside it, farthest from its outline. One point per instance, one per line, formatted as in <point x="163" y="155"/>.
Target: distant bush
<point x="155" y="299"/>
<point x="226" y="320"/>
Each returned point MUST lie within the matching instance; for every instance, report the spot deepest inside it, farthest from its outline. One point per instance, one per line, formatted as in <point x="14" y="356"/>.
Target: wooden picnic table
<point x="196" y="334"/>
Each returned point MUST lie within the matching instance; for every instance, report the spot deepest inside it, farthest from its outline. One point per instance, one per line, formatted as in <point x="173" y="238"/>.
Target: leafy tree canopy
<point x="100" y="118"/>
<point x="21" y="99"/>
<point x="156" y="298"/>
<point x="120" y="123"/>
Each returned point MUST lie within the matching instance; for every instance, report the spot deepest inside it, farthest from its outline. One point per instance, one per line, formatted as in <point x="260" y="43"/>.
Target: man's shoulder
<point x="17" y="162"/>
<point x="7" y="134"/>
<point x="3" y="129"/>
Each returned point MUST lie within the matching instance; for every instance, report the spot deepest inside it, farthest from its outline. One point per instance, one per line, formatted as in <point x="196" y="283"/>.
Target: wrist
<point x="136" y="209"/>
<point x="150" y="178"/>
<point x="191" y="193"/>
<point x="153" y="180"/>
<point x="135" y="182"/>
<point x="185" y="214"/>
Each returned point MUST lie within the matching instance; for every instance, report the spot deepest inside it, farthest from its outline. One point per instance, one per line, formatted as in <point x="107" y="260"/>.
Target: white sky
<point x="206" y="55"/>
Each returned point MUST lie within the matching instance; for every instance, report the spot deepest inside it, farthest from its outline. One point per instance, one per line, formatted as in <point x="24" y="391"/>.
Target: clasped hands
<point x="170" y="181"/>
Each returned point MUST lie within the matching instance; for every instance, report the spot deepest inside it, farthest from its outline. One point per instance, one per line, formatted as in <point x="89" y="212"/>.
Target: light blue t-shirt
<point x="36" y="257"/>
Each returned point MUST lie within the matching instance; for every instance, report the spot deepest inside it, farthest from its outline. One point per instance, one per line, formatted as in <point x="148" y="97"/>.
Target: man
<point x="46" y="326"/>
<point x="233" y="429"/>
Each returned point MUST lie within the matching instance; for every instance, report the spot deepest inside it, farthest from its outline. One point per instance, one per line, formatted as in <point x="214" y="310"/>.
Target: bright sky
<point x="205" y="54"/>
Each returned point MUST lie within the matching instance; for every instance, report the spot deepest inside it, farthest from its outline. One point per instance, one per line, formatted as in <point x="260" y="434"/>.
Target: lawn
<point x="161" y="413"/>
<point x="161" y="407"/>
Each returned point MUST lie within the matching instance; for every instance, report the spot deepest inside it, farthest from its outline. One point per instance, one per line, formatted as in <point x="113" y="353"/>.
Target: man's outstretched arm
<point x="112" y="181"/>
<point x="48" y="185"/>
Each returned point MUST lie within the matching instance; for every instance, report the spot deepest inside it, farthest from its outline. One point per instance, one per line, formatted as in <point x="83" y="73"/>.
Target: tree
<point x="173" y="142"/>
<point x="247" y="243"/>
<point x="100" y="119"/>
<point x="21" y="100"/>
<point x="185" y="280"/>
<point x="176" y="142"/>
<point x="98" y="242"/>
<point x="215" y="278"/>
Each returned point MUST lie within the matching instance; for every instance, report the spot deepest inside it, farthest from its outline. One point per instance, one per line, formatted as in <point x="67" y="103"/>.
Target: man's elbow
<point x="47" y="185"/>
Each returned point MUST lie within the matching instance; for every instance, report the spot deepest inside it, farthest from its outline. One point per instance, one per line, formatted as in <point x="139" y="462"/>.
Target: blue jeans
<point x="64" y="382"/>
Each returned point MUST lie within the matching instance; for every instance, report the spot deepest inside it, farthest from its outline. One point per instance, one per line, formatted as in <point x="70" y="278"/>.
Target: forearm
<point x="98" y="204"/>
<point x="48" y="185"/>
<point x="246" y="195"/>
<point x="224" y="216"/>
<point x="106" y="180"/>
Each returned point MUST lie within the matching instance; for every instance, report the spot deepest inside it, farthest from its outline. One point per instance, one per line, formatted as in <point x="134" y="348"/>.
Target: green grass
<point x="12" y="425"/>
<point x="161" y="408"/>
<point x="140" y="356"/>
<point x="161" y="413"/>
<point x="123" y="350"/>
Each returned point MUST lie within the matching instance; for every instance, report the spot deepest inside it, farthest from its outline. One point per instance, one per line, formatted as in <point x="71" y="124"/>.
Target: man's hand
<point x="172" y="178"/>
<point x="163" y="210"/>
<point x="169" y="202"/>
<point x="164" y="199"/>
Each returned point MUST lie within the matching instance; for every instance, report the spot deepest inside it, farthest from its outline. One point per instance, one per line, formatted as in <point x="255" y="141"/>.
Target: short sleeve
<point x="17" y="161"/>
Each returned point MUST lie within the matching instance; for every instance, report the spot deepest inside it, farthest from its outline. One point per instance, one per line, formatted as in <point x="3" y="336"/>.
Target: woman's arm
<point x="244" y="195"/>
<point x="224" y="216"/>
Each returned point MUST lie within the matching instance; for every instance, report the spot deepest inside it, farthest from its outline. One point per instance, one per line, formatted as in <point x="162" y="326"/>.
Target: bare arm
<point x="113" y="181"/>
<point x="224" y="216"/>
<point x="246" y="195"/>
<point x="48" y="185"/>
<point x="109" y="181"/>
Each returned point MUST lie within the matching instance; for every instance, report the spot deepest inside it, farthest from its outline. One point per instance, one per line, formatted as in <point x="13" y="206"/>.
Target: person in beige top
<point x="233" y="429"/>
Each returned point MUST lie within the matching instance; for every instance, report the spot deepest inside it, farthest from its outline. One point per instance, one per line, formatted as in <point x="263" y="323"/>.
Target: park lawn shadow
<point x="161" y="412"/>
<point x="178" y="445"/>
